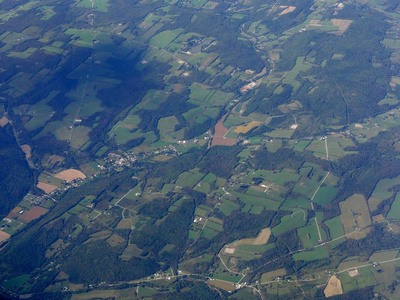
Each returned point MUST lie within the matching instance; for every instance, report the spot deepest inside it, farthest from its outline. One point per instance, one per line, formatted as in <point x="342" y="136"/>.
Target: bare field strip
<point x="27" y="150"/>
<point x="32" y="214"/>
<point x="4" y="236"/>
<point x="47" y="188"/>
<point x="70" y="174"/>
<point x="334" y="287"/>
<point x="287" y="10"/>
<point x="342" y="24"/>
<point x="246" y="128"/>
<point x="3" y="121"/>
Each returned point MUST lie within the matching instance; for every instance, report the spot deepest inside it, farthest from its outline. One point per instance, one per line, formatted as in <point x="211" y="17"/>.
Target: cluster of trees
<point x="16" y="178"/>
<point x="98" y="262"/>
<point x="220" y="160"/>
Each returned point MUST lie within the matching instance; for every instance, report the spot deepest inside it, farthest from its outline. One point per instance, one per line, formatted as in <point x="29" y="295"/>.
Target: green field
<point x="324" y="195"/>
<point x="100" y="5"/>
<point x="309" y="235"/>
<point x="288" y="222"/>
<point x="317" y="253"/>
<point x="163" y="39"/>
<point x="335" y="230"/>
<point x="227" y="207"/>
<point x="394" y="212"/>
<point x="265" y="202"/>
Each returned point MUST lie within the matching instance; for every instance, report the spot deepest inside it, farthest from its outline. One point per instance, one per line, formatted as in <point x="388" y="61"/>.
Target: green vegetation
<point x="131" y="94"/>
<point x="288" y="222"/>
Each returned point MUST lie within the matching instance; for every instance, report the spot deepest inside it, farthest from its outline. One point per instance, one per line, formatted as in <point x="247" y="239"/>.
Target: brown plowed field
<point x="32" y="214"/>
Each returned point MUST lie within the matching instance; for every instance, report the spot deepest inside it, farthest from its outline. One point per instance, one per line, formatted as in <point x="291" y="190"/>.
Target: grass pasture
<point x="203" y="96"/>
<point x="308" y="235"/>
<point x="315" y="254"/>
<point x="324" y="195"/>
<point x="99" y="5"/>
<point x="335" y="230"/>
<point x="364" y="279"/>
<point x="163" y="39"/>
<point x="189" y="178"/>
<point x="394" y="212"/>
<point x="253" y="200"/>
<point x="288" y="222"/>
<point x="227" y="207"/>
<point x="384" y="273"/>
<point x="382" y="191"/>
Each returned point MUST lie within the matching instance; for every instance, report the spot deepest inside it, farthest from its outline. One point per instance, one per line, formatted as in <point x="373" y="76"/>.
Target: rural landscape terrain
<point x="195" y="149"/>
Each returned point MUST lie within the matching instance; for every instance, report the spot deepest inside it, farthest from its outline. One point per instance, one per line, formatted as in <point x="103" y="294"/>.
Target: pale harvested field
<point x="274" y="56"/>
<point x="246" y="128"/>
<point x="287" y="10"/>
<point x="124" y="224"/>
<point x="4" y="236"/>
<point x="395" y="81"/>
<point x="227" y="286"/>
<point x="342" y="24"/>
<point x="261" y="239"/>
<point x="354" y="214"/>
<point x="3" y="121"/>
<point x="178" y="87"/>
<point x="161" y="158"/>
<point x="47" y="188"/>
<point x="334" y="287"/>
<point x="70" y="174"/>
<point x="378" y="218"/>
<point x="27" y="150"/>
<point x="266" y="277"/>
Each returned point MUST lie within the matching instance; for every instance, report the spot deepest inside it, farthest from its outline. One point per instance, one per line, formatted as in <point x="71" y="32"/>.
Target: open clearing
<point x="342" y="24"/>
<point x="4" y="236"/>
<point x="266" y="277"/>
<point x="219" y="135"/>
<point x="47" y="188"/>
<point x="261" y="239"/>
<point x="355" y="214"/>
<point x="246" y="128"/>
<point x="287" y="10"/>
<point x="34" y="213"/>
<point x="334" y="287"/>
<point x="14" y="212"/>
<point x="70" y="174"/>
<point x="3" y="121"/>
<point x="227" y="286"/>
<point x="27" y="150"/>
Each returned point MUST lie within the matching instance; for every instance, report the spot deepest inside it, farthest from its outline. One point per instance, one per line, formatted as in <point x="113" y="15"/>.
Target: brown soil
<point x="287" y="10"/>
<point x="3" y="121"/>
<point x="220" y="131"/>
<point x="334" y="287"/>
<point x="32" y="214"/>
<point x="70" y="174"/>
<point x="4" y="236"/>
<point x="47" y="188"/>
<point x="14" y="212"/>
<point x="27" y="150"/>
